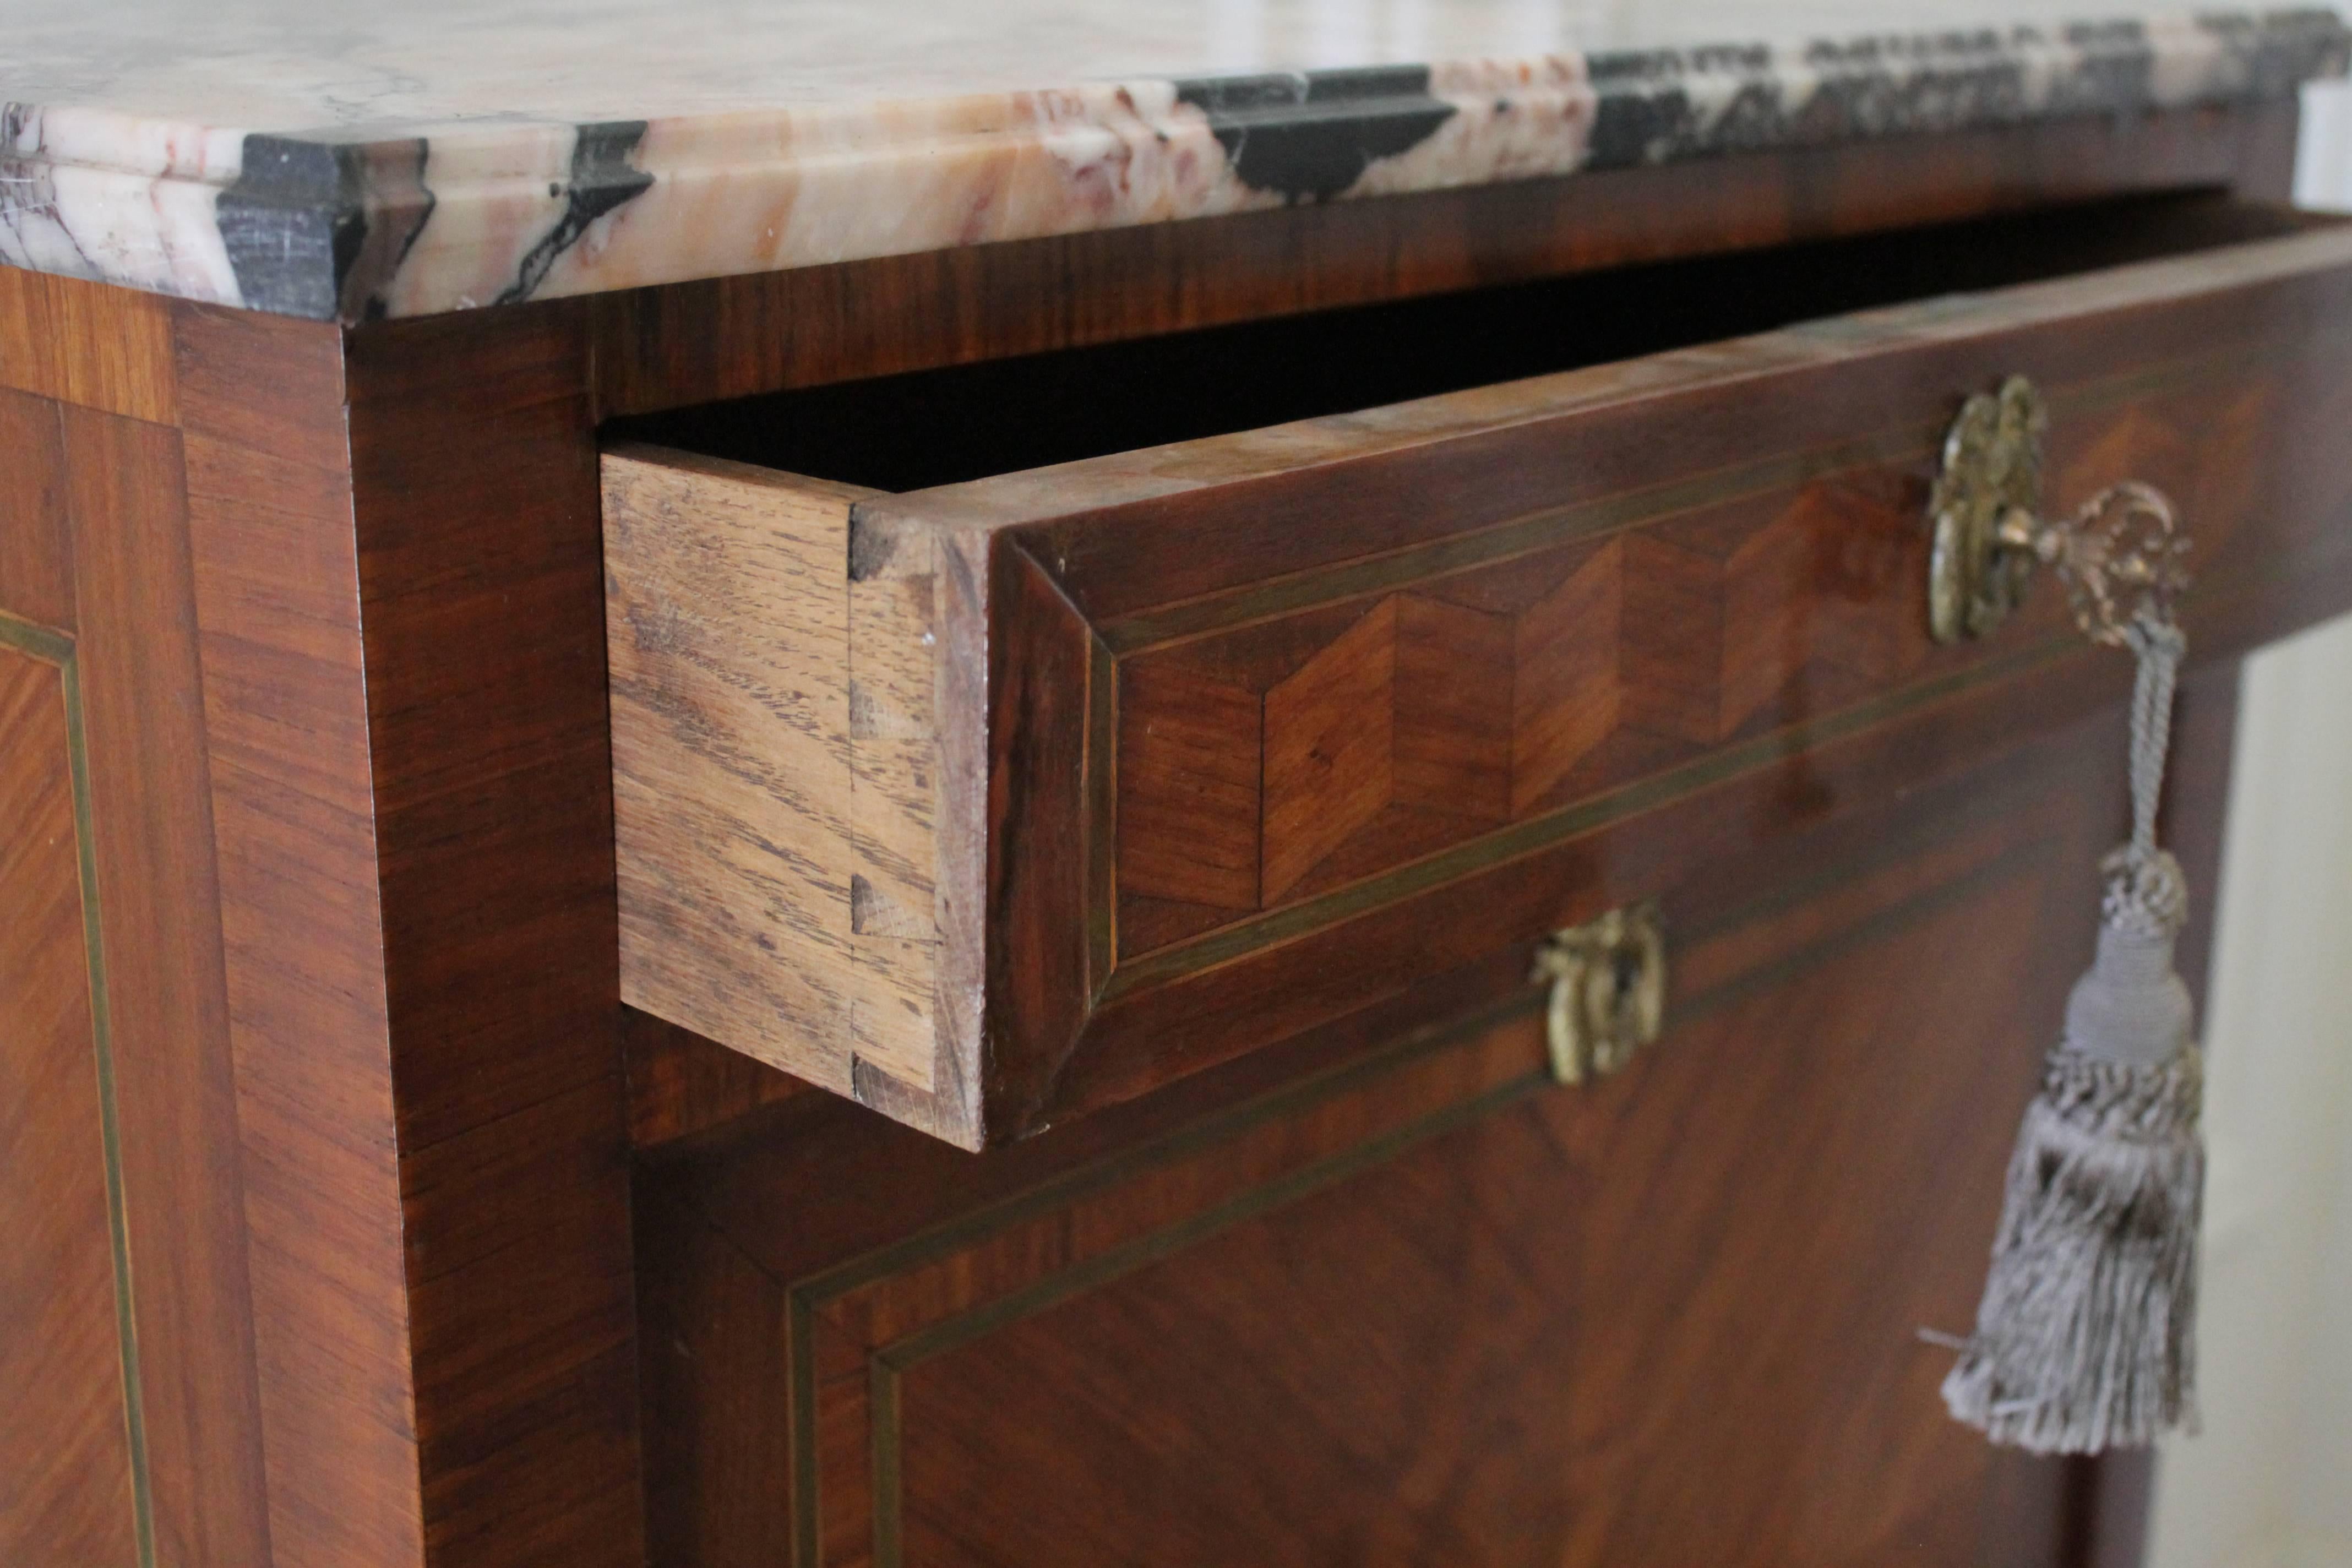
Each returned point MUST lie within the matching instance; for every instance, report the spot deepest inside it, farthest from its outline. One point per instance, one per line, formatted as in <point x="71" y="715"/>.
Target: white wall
<point x="2269" y="1483"/>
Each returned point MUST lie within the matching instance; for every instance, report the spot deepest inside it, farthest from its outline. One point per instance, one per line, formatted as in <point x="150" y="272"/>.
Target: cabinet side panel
<point x="270" y="517"/>
<point x="475" y="511"/>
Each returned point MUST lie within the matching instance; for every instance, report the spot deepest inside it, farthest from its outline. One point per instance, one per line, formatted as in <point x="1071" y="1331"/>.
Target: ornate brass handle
<point x="2119" y="555"/>
<point x="1608" y="979"/>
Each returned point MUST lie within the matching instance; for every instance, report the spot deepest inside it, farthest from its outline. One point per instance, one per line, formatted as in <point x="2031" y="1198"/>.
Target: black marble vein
<point x="1309" y="136"/>
<point x="603" y="178"/>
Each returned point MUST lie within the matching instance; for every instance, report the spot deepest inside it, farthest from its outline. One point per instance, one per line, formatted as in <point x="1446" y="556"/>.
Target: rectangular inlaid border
<point x="887" y="1363"/>
<point x="56" y="649"/>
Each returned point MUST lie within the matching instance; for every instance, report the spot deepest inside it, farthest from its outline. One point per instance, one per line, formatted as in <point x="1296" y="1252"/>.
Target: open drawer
<point x="987" y="797"/>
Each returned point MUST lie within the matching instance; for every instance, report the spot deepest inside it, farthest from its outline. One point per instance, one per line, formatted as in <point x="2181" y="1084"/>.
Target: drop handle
<point x="2121" y="556"/>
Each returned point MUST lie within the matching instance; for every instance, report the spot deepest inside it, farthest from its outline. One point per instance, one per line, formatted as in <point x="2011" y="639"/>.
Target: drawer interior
<point x="967" y="422"/>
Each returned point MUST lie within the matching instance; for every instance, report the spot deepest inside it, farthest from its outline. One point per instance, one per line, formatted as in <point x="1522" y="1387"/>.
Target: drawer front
<point x="1199" y="746"/>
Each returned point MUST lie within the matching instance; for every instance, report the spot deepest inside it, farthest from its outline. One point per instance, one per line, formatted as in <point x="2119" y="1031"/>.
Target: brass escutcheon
<point x="1608" y="980"/>
<point x="2121" y="554"/>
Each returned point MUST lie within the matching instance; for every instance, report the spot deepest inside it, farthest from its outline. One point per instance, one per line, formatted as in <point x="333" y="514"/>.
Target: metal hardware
<point x="1608" y="990"/>
<point x="2121" y="555"/>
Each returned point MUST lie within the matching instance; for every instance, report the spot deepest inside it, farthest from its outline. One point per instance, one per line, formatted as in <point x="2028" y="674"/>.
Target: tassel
<point x="2085" y="1337"/>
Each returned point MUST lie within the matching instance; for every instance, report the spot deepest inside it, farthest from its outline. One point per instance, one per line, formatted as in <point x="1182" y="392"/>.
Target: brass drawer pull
<point x="2121" y="550"/>
<point x="1608" y="990"/>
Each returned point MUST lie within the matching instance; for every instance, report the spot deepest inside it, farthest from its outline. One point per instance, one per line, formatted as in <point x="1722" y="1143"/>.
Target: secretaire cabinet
<point x="832" y="827"/>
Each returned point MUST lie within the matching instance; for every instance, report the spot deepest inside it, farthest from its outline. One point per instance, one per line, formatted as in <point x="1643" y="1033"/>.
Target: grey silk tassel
<point x="2085" y="1337"/>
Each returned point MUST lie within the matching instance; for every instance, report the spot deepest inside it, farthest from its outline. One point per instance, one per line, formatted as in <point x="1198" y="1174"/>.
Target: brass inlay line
<point x="33" y="641"/>
<point x="1100" y="781"/>
<point x="883" y="1432"/>
<point x="799" y="1323"/>
<point x="890" y="1364"/>
<point x="1270" y="598"/>
<point x="1537" y="834"/>
<point x="56" y="649"/>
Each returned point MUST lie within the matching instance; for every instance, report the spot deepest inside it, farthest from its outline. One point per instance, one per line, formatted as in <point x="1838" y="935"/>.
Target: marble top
<point x="331" y="159"/>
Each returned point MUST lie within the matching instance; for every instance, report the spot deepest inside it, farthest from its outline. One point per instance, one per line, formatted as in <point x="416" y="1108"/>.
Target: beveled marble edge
<point x="360" y="224"/>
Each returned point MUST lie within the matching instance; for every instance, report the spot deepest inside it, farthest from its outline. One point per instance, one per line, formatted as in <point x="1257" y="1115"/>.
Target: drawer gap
<point x="966" y="422"/>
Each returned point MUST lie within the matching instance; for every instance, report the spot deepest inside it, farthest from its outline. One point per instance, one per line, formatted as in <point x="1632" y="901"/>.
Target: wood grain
<point x="87" y="344"/>
<point x="892" y="738"/>
<point x="275" y="603"/>
<point x="157" y="886"/>
<point x="397" y="594"/>
<point x="721" y="1505"/>
<point x="1191" y="747"/>
<point x="682" y="1083"/>
<point x="475" y="521"/>
<point x="68" y="1492"/>
<point x="1404" y="656"/>
<point x="36" y="544"/>
<point x="1498" y="1321"/>
<point x="770" y="791"/>
<point x="1331" y="749"/>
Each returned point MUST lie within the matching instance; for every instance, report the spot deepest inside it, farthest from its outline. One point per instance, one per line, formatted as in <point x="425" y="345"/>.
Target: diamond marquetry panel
<point x="1670" y="657"/>
<point x="1330" y="749"/>
<point x="1453" y="713"/>
<point x="1292" y="756"/>
<point x="1566" y="694"/>
<point x="1808" y="622"/>
<point x="1189" y="816"/>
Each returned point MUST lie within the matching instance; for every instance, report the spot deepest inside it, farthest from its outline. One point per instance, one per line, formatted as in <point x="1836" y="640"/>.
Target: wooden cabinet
<point x="816" y="893"/>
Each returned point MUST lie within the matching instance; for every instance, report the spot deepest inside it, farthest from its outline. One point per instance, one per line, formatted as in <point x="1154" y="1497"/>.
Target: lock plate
<point x="2121" y="556"/>
<point x="1989" y="483"/>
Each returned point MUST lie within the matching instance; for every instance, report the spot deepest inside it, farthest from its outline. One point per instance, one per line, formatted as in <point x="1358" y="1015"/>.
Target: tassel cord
<point x="2157" y="645"/>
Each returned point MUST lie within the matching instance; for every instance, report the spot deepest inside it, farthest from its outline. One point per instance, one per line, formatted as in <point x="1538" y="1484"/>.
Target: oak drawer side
<point x="772" y="720"/>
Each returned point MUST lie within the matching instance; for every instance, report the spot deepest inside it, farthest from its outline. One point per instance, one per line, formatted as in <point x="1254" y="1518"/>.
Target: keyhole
<point x="1625" y="976"/>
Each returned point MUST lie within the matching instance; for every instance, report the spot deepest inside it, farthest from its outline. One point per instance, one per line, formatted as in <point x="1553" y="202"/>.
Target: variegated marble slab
<point x="331" y="158"/>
